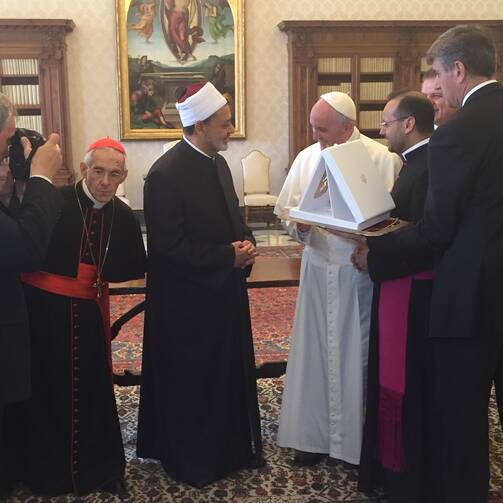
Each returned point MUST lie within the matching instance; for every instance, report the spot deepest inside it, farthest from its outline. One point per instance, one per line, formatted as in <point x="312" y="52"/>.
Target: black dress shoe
<point x="257" y="462"/>
<point x="116" y="487"/>
<point x="345" y="464"/>
<point x="335" y="462"/>
<point x="332" y="461"/>
<point x="302" y="458"/>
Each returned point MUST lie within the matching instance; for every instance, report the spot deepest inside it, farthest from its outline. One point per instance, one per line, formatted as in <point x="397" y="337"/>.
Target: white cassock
<point x="322" y="409"/>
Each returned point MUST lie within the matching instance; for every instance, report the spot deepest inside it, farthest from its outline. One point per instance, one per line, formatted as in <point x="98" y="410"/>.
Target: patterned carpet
<point x="271" y="312"/>
<point x="278" y="482"/>
<point x="281" y="251"/>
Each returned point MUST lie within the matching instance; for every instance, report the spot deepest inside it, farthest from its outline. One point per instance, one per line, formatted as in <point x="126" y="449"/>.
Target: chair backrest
<point x="121" y="190"/>
<point x="168" y="145"/>
<point x="255" y="173"/>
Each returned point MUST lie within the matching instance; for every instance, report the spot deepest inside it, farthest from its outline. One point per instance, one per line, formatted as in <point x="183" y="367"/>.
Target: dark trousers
<point x="7" y="456"/>
<point x="1" y="433"/>
<point x="498" y="385"/>
<point x="3" y="456"/>
<point x="462" y="372"/>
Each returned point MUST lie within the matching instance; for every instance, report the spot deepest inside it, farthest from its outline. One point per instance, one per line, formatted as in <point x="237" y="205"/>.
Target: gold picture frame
<point x="165" y="45"/>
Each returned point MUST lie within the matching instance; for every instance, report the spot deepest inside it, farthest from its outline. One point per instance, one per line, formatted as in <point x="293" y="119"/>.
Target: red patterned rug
<point x="271" y="310"/>
<point x="278" y="482"/>
<point x="281" y="251"/>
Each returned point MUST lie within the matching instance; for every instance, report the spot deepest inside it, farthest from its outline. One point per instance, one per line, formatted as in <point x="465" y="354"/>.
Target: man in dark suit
<point x="198" y="404"/>
<point x="432" y="90"/>
<point x="24" y="240"/>
<point x="463" y="226"/>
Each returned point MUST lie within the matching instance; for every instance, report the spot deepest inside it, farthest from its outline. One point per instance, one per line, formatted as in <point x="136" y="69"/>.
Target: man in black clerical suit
<point x="396" y="405"/>
<point x="23" y="242"/>
<point x="407" y="127"/>
<point x="463" y="226"/>
<point x="198" y="404"/>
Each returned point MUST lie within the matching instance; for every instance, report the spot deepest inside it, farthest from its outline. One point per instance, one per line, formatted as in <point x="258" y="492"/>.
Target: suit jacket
<point x="463" y="218"/>
<point x="24" y="240"/>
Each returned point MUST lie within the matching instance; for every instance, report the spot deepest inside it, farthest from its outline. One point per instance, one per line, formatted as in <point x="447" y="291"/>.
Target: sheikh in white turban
<point x="198" y="103"/>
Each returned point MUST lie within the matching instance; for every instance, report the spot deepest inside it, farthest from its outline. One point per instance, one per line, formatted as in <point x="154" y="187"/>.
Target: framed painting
<point x="166" y="45"/>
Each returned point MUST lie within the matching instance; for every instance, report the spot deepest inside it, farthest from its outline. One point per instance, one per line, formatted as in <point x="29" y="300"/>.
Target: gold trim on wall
<point x="147" y="86"/>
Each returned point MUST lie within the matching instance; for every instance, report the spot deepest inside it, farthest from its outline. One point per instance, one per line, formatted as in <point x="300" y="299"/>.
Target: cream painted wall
<point x="92" y="56"/>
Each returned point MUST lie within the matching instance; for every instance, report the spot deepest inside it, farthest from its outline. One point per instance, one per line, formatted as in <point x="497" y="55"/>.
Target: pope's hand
<point x="359" y="257"/>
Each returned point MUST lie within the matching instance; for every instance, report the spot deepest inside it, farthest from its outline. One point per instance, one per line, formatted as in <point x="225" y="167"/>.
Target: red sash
<point x="80" y="287"/>
<point x="393" y="327"/>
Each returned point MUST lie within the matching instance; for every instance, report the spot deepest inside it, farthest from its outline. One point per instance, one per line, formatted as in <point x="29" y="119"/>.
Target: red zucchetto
<point x="107" y="142"/>
<point x="199" y="102"/>
<point x="191" y="90"/>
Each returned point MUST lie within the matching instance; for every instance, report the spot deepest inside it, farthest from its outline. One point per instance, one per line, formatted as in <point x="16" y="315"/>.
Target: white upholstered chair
<point x="256" y="186"/>
<point x="168" y="145"/>
<point x="121" y="194"/>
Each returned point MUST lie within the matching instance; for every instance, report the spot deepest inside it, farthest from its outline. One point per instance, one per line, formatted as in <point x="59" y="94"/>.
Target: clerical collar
<point x="87" y="192"/>
<point x="414" y="147"/>
<point x="476" y="88"/>
<point x="198" y="149"/>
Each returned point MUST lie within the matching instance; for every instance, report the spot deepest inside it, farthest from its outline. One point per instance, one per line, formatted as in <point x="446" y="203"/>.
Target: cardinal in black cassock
<point x="67" y="437"/>
<point x="198" y="406"/>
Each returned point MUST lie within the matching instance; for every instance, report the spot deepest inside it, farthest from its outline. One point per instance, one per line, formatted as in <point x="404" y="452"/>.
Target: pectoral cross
<point x="322" y="186"/>
<point x="98" y="284"/>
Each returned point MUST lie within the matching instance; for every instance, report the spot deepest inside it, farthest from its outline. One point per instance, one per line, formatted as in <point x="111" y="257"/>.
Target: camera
<point x="18" y="164"/>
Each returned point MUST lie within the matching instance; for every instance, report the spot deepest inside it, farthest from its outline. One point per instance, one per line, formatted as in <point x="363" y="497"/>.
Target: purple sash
<point x="393" y="327"/>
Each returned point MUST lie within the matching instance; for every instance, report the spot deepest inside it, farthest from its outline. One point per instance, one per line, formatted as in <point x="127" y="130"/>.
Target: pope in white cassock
<point x="323" y="401"/>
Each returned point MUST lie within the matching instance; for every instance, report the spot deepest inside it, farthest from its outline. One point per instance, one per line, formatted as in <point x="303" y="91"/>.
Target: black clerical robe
<point x="24" y="240"/>
<point x="67" y="437"/>
<point x="407" y="485"/>
<point x="198" y="406"/>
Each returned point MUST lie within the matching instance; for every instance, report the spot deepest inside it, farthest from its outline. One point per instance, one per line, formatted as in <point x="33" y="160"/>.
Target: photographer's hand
<point x="47" y="160"/>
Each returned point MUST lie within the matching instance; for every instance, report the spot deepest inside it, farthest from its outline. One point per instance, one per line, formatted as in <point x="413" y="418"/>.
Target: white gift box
<point x="346" y="191"/>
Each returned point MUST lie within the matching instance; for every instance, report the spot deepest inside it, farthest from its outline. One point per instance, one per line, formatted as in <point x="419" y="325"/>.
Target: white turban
<point x="201" y="105"/>
<point x="341" y="102"/>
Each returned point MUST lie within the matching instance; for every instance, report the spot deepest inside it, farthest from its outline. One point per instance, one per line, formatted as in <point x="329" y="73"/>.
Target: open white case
<point x="346" y="191"/>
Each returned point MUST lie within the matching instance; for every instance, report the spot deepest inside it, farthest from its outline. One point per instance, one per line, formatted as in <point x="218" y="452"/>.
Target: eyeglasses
<point x="385" y="124"/>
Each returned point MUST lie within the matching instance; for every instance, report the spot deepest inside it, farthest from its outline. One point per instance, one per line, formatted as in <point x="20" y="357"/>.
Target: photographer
<point x="24" y="239"/>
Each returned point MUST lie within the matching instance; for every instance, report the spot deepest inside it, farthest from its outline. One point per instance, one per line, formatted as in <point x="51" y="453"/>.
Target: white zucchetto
<point x="342" y="103"/>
